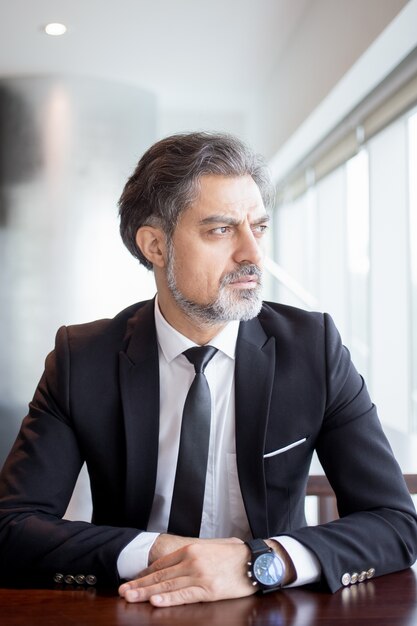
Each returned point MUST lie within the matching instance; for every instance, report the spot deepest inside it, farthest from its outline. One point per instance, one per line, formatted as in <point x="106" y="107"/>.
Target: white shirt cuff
<point x="134" y="557"/>
<point x="306" y="564"/>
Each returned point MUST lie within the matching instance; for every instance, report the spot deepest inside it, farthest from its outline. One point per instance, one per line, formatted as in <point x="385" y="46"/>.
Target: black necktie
<point x="190" y="477"/>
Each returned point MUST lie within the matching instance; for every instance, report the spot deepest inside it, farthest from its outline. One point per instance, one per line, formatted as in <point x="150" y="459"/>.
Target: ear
<point x="152" y="243"/>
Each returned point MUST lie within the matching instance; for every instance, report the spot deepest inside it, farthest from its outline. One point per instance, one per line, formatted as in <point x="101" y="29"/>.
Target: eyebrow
<point x="231" y="221"/>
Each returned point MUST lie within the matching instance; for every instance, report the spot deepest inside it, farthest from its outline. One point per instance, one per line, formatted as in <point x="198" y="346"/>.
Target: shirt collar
<point x="173" y="343"/>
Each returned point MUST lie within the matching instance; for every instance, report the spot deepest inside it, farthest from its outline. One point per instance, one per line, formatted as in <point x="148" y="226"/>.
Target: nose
<point x="248" y="248"/>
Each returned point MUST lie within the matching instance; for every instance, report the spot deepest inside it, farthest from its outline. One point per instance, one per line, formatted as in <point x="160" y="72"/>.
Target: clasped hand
<point x="186" y="570"/>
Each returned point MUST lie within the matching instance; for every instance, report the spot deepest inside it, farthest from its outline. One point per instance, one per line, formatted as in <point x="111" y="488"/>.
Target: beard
<point x="230" y="304"/>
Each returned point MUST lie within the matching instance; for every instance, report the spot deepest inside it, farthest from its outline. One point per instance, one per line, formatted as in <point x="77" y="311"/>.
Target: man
<point x="278" y="384"/>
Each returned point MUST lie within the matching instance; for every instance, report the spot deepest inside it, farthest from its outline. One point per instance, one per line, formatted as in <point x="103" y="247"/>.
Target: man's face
<point x="214" y="259"/>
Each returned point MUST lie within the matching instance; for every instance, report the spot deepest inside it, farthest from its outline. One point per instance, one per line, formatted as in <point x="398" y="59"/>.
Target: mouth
<point x="245" y="282"/>
<point x="245" y="277"/>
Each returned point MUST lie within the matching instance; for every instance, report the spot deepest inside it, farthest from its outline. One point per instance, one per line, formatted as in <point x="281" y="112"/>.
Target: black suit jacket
<point x="98" y="401"/>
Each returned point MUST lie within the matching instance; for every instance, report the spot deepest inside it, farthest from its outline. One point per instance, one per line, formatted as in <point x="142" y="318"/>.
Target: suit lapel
<point x="139" y="383"/>
<point x="255" y="367"/>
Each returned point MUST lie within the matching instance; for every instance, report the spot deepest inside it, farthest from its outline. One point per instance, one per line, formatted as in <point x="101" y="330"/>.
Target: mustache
<point x="242" y="272"/>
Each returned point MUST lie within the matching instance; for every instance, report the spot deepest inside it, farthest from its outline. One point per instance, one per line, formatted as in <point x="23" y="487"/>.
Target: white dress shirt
<point x="224" y="513"/>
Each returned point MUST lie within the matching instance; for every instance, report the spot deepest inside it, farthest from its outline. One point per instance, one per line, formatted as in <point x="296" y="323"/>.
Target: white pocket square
<point x="285" y="448"/>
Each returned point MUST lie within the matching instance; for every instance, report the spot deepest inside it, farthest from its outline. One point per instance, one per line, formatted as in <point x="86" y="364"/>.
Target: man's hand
<point x="166" y="544"/>
<point x="202" y="571"/>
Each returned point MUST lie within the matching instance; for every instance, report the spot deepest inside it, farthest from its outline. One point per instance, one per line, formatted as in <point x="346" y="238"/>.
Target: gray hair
<point x="166" y="181"/>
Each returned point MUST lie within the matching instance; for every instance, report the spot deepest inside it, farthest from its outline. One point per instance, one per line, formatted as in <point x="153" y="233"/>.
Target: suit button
<point x="59" y="578"/>
<point x="69" y="579"/>
<point x="80" y="579"/>
<point x="345" y="579"/>
<point x="354" y="578"/>
<point x="362" y="577"/>
<point x="370" y="573"/>
<point x="90" y="579"/>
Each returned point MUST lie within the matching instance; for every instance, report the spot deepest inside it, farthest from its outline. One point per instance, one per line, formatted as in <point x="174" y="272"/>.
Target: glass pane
<point x="412" y="142"/>
<point x="389" y="328"/>
<point x="296" y="246"/>
<point x="332" y="247"/>
<point x="357" y="208"/>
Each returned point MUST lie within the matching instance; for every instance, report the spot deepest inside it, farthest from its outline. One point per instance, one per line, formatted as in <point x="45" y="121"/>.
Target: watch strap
<point x="257" y="547"/>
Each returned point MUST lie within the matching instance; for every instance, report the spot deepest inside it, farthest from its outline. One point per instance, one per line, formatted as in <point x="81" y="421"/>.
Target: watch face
<point x="268" y="569"/>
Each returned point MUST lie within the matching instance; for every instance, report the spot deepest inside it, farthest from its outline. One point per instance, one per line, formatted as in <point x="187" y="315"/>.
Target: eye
<point x="220" y="230"/>
<point x="260" y="228"/>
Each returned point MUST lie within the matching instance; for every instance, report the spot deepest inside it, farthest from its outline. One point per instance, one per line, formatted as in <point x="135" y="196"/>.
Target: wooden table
<point x="387" y="601"/>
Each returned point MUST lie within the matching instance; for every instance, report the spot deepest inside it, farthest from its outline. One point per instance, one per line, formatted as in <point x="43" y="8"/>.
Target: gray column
<point x="67" y="146"/>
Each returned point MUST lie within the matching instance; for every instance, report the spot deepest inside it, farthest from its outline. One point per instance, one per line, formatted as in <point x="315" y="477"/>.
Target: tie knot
<point x="200" y="356"/>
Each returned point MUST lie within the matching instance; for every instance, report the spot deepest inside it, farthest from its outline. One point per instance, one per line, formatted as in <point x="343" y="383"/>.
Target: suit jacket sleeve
<point x="377" y="526"/>
<point x="35" y="487"/>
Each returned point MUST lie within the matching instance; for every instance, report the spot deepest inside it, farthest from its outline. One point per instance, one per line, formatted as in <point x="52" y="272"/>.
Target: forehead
<point x="235" y="196"/>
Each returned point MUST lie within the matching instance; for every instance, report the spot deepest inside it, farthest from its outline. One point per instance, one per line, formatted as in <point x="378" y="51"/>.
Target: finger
<point x="143" y="594"/>
<point x="164" y="563"/>
<point x="186" y="595"/>
<point x="154" y="578"/>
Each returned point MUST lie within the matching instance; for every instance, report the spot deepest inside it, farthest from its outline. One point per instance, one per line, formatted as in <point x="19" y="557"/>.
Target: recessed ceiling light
<point x="55" y="29"/>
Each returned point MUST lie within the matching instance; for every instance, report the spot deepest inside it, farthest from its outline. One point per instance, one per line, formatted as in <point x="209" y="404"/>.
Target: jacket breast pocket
<point x="286" y="468"/>
<point x="287" y="465"/>
<point x="283" y="449"/>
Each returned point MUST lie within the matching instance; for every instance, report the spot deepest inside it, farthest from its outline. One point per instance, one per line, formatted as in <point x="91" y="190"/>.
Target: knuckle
<point x="192" y="550"/>
<point x="168" y="585"/>
<point x="186" y="595"/>
<point x="159" y="576"/>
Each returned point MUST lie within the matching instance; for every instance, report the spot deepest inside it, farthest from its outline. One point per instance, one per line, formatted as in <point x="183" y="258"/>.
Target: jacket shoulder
<point x="290" y="319"/>
<point x="114" y="331"/>
<point x="299" y="327"/>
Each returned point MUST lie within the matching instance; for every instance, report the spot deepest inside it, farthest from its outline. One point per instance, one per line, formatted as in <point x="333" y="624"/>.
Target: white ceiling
<point x="220" y="52"/>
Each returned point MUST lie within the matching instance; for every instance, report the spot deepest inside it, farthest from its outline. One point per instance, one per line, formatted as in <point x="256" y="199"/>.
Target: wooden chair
<point x="319" y="486"/>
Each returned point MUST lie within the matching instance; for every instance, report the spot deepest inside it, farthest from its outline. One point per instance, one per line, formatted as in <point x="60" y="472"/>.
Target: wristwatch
<point x="265" y="569"/>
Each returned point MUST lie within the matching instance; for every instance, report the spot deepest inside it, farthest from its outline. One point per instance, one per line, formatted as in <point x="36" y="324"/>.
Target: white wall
<point x="170" y="121"/>
<point x="330" y="38"/>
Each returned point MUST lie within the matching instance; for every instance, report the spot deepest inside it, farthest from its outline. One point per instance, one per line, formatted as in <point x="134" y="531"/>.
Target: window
<point x="350" y="241"/>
